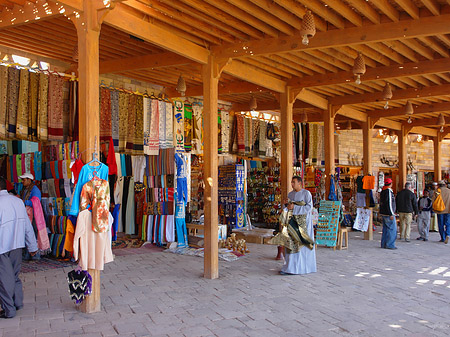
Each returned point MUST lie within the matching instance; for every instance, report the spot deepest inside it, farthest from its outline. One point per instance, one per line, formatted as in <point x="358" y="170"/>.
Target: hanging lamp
<point x="308" y="28"/>
<point x="253" y="104"/>
<point x="359" y="68"/>
<point x="387" y="94"/>
<point x="409" y="110"/>
<point x="441" y="122"/>
<point x="304" y="118"/>
<point x="349" y="125"/>
<point x="75" y="53"/>
<point x="181" y="85"/>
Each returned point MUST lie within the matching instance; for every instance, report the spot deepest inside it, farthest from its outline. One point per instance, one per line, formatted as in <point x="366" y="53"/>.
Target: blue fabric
<point x="389" y="232"/>
<point x="37" y="162"/>
<point x="115" y="225"/>
<point x="180" y="160"/>
<point x="123" y="166"/>
<point x="182" y="192"/>
<point x="332" y="196"/>
<point x="444" y="225"/>
<point x="180" y="224"/>
<point x="35" y="192"/>
<point x="86" y="174"/>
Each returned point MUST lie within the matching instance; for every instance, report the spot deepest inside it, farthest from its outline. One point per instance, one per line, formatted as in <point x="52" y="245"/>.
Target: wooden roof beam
<point x="235" y="87"/>
<point x="263" y="106"/>
<point x="378" y="73"/>
<point x="424" y="26"/>
<point x="312" y="98"/>
<point x="428" y="122"/>
<point x="424" y="92"/>
<point x="424" y="131"/>
<point x="387" y="123"/>
<point x="409" y="7"/>
<point x="19" y="16"/>
<point x="143" y="62"/>
<point x="418" y="110"/>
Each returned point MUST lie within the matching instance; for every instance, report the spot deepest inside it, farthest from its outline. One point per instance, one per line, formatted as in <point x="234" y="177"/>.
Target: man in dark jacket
<point x="423" y="220"/>
<point x="406" y="202"/>
<point x="387" y="211"/>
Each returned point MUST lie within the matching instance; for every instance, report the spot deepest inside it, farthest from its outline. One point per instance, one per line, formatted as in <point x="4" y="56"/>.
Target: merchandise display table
<point x="255" y="235"/>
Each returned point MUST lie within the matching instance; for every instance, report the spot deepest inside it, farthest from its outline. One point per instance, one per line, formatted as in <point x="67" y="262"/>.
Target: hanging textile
<point x="255" y="136"/>
<point x="13" y="94"/>
<point x="219" y="131"/>
<point x="55" y="108"/>
<point x="3" y="100"/>
<point x="225" y="116"/>
<point x="95" y="194"/>
<point x="240" y="133"/>
<point x="131" y="123"/>
<point x="105" y="114"/>
<point x="179" y="126"/>
<point x="153" y="141"/>
<point x="43" y="107"/>
<point x="162" y="123"/>
<point x="187" y="126"/>
<point x="169" y="126"/>
<point x="123" y="120"/>
<point x="139" y="129"/>
<point x="22" y="105"/>
<point x="73" y="110"/>
<point x="33" y="99"/>
<point x="197" y="132"/>
<point x="262" y="138"/>
<point x="115" y="119"/>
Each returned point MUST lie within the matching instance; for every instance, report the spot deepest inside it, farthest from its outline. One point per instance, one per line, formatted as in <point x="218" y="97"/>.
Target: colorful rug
<point x="127" y="242"/>
<point x="44" y="264"/>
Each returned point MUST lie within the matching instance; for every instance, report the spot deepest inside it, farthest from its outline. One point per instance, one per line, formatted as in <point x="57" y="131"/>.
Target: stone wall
<point x="351" y="144"/>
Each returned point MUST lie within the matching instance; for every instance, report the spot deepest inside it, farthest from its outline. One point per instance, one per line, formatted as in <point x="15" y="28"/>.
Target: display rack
<point x="231" y="195"/>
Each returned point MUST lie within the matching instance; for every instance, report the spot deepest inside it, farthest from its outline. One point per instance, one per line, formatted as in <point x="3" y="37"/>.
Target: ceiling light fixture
<point x="359" y="68"/>
<point x="308" y="28"/>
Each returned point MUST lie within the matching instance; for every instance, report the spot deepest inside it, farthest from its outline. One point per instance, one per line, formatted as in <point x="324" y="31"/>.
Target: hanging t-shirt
<point x="359" y="185"/>
<point x="181" y="165"/>
<point x="369" y="182"/>
<point x="86" y="174"/>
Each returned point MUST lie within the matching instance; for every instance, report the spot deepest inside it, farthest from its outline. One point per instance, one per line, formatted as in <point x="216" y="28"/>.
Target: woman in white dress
<point x="303" y="261"/>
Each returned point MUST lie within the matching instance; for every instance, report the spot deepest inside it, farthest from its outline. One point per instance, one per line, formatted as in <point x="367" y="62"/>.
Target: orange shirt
<point x="369" y="182"/>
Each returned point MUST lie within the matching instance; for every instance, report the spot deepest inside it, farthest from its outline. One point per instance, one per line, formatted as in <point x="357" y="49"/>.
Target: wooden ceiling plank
<point x="378" y="73"/>
<point x="424" y="131"/>
<point x="293" y="65"/>
<point x="299" y="10"/>
<point x="386" y="123"/>
<point x="325" y="13"/>
<point x="198" y="29"/>
<point x="315" y="60"/>
<point x="210" y="19"/>
<point x="446" y="77"/>
<point x="397" y="83"/>
<point x="418" y="110"/>
<point x="244" y="17"/>
<point x="389" y="10"/>
<point x="266" y="65"/>
<point x="409" y="7"/>
<point x="403" y="50"/>
<point x="24" y="45"/>
<point x="429" y="41"/>
<point x="307" y="64"/>
<point x="419" y="48"/>
<point x="424" y="26"/>
<point x="280" y="12"/>
<point x="344" y="10"/>
<point x="351" y="113"/>
<point x="422" y="80"/>
<point x="151" y="6"/>
<point x="401" y="94"/>
<point x="445" y="40"/>
<point x="366" y="9"/>
<point x="310" y="97"/>
<point x="373" y="54"/>
<point x="142" y="62"/>
<point x="282" y="65"/>
<point x="331" y="59"/>
<point x="408" y="81"/>
<point x="129" y="23"/>
<point x="19" y="16"/>
<point x="432" y="6"/>
<point x="388" y="52"/>
<point x="264" y="15"/>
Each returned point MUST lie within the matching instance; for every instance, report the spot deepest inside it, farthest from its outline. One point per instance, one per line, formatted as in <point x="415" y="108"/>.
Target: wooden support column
<point x="211" y="74"/>
<point x="88" y="24"/>
<point x="437" y="158"/>
<point x="367" y="168"/>
<point x="328" y="131"/>
<point x="402" y="154"/>
<point x="286" y="117"/>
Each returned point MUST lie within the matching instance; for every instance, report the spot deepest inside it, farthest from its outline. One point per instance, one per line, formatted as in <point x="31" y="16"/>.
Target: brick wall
<point x="351" y="144"/>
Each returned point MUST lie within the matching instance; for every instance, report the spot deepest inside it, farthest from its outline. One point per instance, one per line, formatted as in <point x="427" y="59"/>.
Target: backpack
<point x="438" y="203"/>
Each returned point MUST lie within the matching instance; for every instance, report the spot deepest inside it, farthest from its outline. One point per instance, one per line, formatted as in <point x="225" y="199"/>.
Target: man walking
<point x="423" y="220"/>
<point x="387" y="211"/>
<point x="16" y="232"/>
<point x="443" y="216"/>
<point x="406" y="202"/>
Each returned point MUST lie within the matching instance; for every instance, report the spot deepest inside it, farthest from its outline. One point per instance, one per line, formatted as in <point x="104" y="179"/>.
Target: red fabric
<point x="111" y="160"/>
<point x="9" y="186"/>
<point x="76" y="169"/>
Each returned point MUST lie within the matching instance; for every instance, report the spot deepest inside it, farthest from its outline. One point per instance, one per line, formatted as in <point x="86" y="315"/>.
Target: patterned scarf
<point x="55" y="108"/>
<point x="105" y="114"/>
<point x="13" y="93"/>
<point x="187" y="126"/>
<point x="153" y="141"/>
<point x="169" y="125"/>
<point x="131" y="123"/>
<point x="225" y="116"/>
<point x="179" y="126"/>
<point x="22" y="106"/>
<point x="43" y="107"/>
<point x="139" y="130"/>
<point x="3" y="100"/>
<point x="123" y="120"/>
<point x="162" y="123"/>
<point x="197" y="129"/>
<point x="262" y="138"/>
<point x="240" y="133"/>
<point x="33" y="99"/>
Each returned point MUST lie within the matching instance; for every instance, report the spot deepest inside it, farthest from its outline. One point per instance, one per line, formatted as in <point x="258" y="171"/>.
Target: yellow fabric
<point x="438" y="203"/>
<point x="70" y="232"/>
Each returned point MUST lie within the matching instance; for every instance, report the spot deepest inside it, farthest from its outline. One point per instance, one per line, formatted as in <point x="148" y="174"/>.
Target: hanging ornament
<point x="409" y="110"/>
<point x="426" y="138"/>
<point x="253" y="104"/>
<point x="75" y="53"/>
<point x="359" y="68"/>
<point x="387" y="94"/>
<point x="304" y="118"/>
<point x="181" y="85"/>
<point x="308" y="28"/>
<point x="441" y="122"/>
<point x="349" y="125"/>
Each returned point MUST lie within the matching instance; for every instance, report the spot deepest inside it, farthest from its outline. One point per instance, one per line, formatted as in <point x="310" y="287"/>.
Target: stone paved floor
<point x="363" y="291"/>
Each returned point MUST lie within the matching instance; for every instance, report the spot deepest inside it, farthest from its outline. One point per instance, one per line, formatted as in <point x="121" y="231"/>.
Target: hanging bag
<point x="438" y="203"/>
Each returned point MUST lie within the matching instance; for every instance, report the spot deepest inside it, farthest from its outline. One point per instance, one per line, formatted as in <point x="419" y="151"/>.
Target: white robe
<point x="304" y="261"/>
